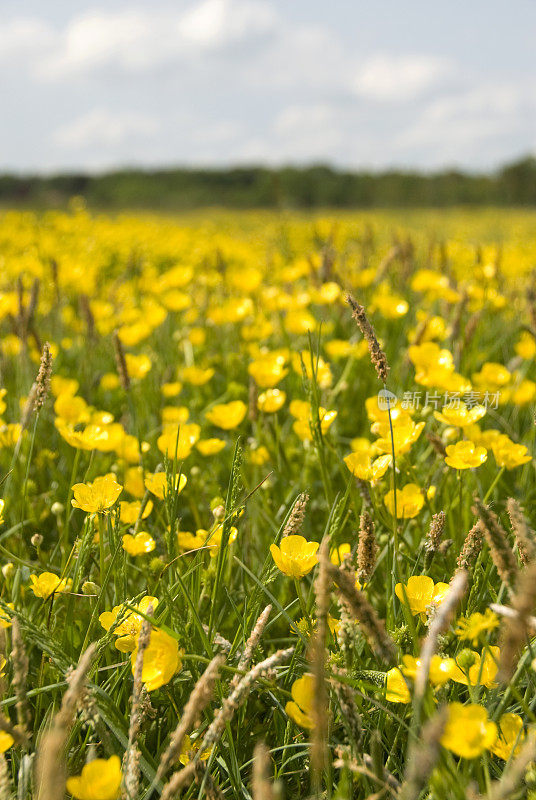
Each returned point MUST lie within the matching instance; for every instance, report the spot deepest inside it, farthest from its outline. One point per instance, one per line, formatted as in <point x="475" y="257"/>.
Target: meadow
<point x="268" y="491"/>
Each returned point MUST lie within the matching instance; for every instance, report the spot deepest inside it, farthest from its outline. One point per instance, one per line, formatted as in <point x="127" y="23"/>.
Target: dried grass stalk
<point x="319" y="710"/>
<point x="200" y="697"/>
<point x="372" y="626"/>
<point x="377" y="356"/>
<point x="50" y="767"/>
<point x="131" y="759"/>
<point x="525" y="537"/>
<point x="261" y="783"/>
<point x="497" y="539"/>
<point x="297" y="515"/>
<point x="517" y="628"/>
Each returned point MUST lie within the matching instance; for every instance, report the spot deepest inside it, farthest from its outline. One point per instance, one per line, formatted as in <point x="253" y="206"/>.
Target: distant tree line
<point x="285" y="187"/>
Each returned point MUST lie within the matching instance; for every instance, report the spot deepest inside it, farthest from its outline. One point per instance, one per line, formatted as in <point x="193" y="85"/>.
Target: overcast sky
<point x="91" y="85"/>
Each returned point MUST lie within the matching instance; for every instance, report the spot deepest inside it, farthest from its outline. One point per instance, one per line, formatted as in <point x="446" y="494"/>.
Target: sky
<point x="91" y="86"/>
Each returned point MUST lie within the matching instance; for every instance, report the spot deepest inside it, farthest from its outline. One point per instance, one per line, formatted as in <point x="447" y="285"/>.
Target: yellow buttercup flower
<point x="138" y="365"/>
<point x="409" y="501"/>
<point x="161" y="660"/>
<point x="477" y="624"/>
<point x="6" y="741"/>
<point x="96" y="497"/>
<point x="227" y="415"/>
<point x="209" y="447"/>
<point x="129" y="627"/>
<point x="299" y="709"/>
<point x="465" y="455"/>
<point x="157" y="483"/>
<point x="271" y="401"/>
<point x="196" y="375"/>
<point x="268" y="370"/>
<point x="511" y="737"/>
<point x="129" y="512"/>
<point x="405" y="434"/>
<point x="468" y="731"/>
<point x="47" y="584"/>
<point x="491" y="377"/>
<point x="363" y="467"/>
<point x="509" y="454"/>
<point x="459" y="415"/>
<point x="295" y="556"/>
<point x="340" y="553"/>
<point x="100" y="780"/>
<point x="482" y="671"/>
<point x="421" y="593"/>
<point x="526" y="345"/>
<point x="259" y="456"/>
<point x="396" y="687"/>
<point x="179" y="440"/>
<point x="5" y="619"/>
<point x="441" y="669"/>
<point x="139" y="544"/>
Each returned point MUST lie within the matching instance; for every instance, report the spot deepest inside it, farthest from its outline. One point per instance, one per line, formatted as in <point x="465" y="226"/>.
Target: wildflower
<point x="361" y="465"/>
<point x="139" y="544"/>
<point x="47" y="584"/>
<point x="482" y="671"/>
<point x="6" y="741"/>
<point x="209" y="447"/>
<point x="525" y="346"/>
<point x="405" y="434"/>
<point x="271" y="401"/>
<point x="491" y="377"/>
<point x="458" y="415"/>
<point x="421" y="593"/>
<point x="509" y="454"/>
<point x="396" y="687"/>
<point x="477" y="624"/>
<point x="259" y="455"/>
<point x="171" y="389"/>
<point x="227" y="415"/>
<point x="196" y="375"/>
<point x="339" y="554"/>
<point x="295" y="556"/>
<point x="299" y="709"/>
<point x="268" y="370"/>
<point x="465" y="455"/>
<point x="157" y="483"/>
<point x="129" y="626"/>
<point x="441" y="669"/>
<point x="130" y="512"/>
<point x="510" y="738"/>
<point x="100" y="780"/>
<point x="304" y="424"/>
<point x="133" y="482"/>
<point x="5" y="619"/>
<point x="468" y="731"/>
<point x="177" y="441"/>
<point x="409" y="501"/>
<point x="161" y="660"/>
<point x="96" y="497"/>
<point x="137" y="365"/>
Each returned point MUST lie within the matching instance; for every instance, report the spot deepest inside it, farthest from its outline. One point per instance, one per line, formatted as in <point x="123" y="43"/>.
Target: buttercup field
<point x="268" y="491"/>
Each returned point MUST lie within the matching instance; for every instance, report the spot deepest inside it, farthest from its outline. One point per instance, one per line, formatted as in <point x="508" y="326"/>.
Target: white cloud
<point x="399" y="78"/>
<point x="218" y="23"/>
<point x="24" y="37"/>
<point x="103" y="128"/>
<point x="139" y="40"/>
